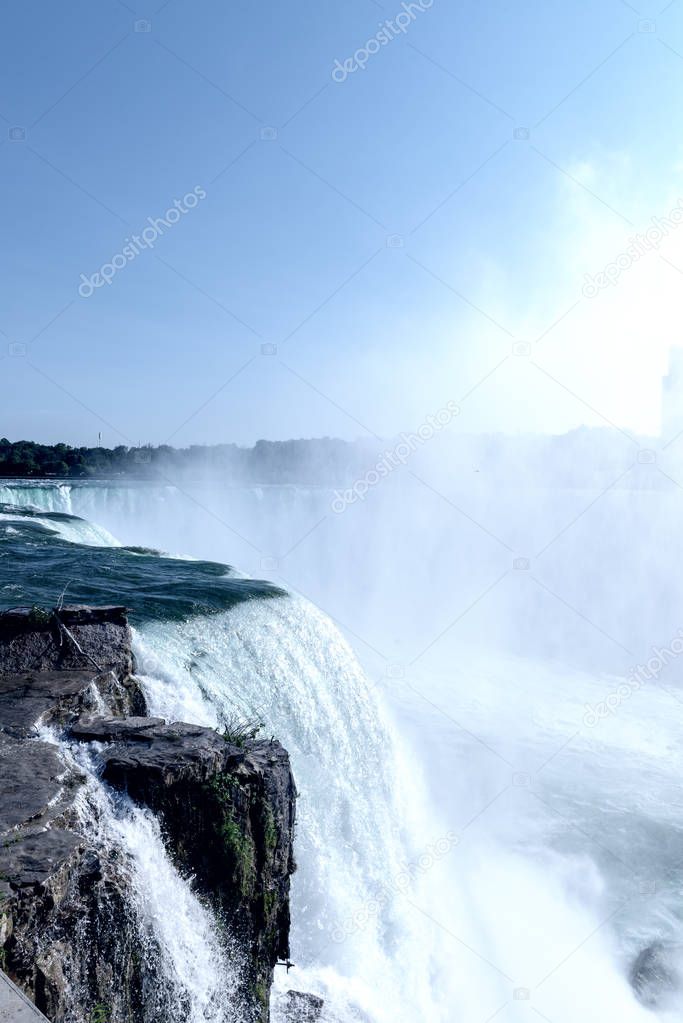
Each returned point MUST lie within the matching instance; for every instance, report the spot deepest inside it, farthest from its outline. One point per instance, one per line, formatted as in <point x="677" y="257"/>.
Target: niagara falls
<point x="341" y="490"/>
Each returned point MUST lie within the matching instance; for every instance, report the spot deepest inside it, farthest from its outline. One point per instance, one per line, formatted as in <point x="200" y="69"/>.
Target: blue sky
<point x="368" y="249"/>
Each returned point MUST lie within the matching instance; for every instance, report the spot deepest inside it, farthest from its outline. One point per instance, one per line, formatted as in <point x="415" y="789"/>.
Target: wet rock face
<point x="227" y="813"/>
<point x="60" y="697"/>
<point x="64" y="928"/>
<point x="67" y="935"/>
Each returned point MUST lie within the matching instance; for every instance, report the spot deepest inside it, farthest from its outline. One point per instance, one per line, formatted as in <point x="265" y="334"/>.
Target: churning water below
<point x="475" y="839"/>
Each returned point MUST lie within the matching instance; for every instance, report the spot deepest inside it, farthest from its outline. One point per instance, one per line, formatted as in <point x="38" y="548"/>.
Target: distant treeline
<point x="267" y="461"/>
<point x="584" y="457"/>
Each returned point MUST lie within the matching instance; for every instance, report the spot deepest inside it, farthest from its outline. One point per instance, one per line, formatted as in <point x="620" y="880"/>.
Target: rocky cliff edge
<point x="68" y="937"/>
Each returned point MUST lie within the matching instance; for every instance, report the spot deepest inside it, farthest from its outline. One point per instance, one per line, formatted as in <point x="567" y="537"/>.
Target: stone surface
<point x="30" y="780"/>
<point x="60" y="697"/>
<point x="110" y="729"/>
<point x="68" y="638"/>
<point x="15" y="1006"/>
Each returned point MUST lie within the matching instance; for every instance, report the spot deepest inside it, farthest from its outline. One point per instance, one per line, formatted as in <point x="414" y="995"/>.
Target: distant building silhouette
<point x="672" y="396"/>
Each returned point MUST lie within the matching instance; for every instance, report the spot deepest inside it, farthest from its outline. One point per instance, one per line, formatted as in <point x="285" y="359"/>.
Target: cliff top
<point x="68" y="638"/>
<point x="31" y="619"/>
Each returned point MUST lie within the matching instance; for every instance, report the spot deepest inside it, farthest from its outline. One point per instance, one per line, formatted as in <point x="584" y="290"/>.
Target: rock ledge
<point x="67" y="934"/>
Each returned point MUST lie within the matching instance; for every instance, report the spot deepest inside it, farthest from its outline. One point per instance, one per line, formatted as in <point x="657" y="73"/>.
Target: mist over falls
<point x="488" y="821"/>
<point x="589" y="516"/>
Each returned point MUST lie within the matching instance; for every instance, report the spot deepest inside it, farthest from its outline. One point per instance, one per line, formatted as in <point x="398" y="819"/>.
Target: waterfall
<point x="471" y="846"/>
<point x="393" y="918"/>
<point x="283" y="663"/>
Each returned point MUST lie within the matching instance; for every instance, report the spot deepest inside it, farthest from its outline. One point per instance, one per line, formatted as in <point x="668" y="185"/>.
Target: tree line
<point x="266" y="461"/>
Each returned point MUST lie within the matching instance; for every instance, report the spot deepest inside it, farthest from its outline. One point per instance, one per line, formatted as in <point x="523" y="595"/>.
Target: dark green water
<point x="36" y="564"/>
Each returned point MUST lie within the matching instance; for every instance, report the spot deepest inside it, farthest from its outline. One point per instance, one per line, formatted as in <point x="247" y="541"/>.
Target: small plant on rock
<point x="240" y="731"/>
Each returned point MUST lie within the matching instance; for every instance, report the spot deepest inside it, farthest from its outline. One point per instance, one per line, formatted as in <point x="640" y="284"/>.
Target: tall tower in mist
<point x="672" y="396"/>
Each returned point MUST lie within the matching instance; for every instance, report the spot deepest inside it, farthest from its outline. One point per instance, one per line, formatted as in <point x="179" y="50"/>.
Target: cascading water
<point x="471" y="843"/>
<point x="283" y="662"/>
